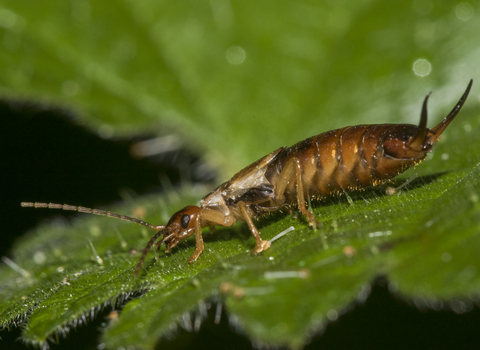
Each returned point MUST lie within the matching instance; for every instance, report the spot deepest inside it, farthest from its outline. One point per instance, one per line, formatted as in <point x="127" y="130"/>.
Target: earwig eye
<point x="185" y="220"/>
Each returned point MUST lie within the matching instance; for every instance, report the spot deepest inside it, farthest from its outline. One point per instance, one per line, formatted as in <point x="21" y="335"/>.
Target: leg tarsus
<point x="261" y="246"/>
<point x="311" y="218"/>
<point x="194" y="256"/>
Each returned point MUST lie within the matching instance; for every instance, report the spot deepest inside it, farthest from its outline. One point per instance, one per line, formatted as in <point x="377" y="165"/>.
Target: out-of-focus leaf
<point x="237" y="79"/>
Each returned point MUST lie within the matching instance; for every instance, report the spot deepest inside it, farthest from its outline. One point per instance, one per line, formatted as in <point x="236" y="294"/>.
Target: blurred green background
<point x="234" y="80"/>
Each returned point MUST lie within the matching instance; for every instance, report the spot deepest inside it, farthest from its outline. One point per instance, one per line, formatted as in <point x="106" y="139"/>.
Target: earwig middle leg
<point x="301" y="195"/>
<point x="213" y="228"/>
<point x="261" y="244"/>
<point x="283" y="181"/>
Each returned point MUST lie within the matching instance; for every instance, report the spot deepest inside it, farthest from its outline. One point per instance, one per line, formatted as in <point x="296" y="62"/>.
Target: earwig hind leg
<point x="301" y="196"/>
<point x="261" y="244"/>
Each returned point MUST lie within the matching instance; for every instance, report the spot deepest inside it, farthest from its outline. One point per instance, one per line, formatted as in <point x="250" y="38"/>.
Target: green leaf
<point x="238" y="80"/>
<point x="304" y="279"/>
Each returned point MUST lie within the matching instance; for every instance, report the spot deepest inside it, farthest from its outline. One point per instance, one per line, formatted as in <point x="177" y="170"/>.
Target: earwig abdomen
<point x="348" y="158"/>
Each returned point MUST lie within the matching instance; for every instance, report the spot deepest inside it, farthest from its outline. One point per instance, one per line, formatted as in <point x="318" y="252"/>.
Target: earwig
<point x="344" y="159"/>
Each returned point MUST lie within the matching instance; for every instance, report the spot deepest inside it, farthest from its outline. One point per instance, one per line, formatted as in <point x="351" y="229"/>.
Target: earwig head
<point x="405" y="141"/>
<point x="180" y="226"/>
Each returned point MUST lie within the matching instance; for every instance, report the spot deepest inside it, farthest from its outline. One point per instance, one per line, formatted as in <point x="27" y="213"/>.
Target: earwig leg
<point x="215" y="218"/>
<point x="283" y="180"/>
<point x="294" y="166"/>
<point x="199" y="241"/>
<point x="261" y="244"/>
<point x="301" y="196"/>
<point x="213" y="228"/>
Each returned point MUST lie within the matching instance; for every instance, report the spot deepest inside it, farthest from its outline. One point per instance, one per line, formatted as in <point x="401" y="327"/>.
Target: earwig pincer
<point x="343" y="159"/>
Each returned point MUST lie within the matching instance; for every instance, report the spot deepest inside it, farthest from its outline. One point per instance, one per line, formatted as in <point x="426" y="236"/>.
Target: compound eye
<point x="185" y="220"/>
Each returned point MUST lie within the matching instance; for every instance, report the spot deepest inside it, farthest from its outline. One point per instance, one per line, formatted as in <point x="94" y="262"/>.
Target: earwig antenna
<point x="159" y="228"/>
<point x="149" y="245"/>
<point x="443" y="125"/>
<point x="90" y="211"/>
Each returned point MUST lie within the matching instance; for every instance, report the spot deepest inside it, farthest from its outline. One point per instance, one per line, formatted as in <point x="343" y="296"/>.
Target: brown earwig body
<point x="344" y="159"/>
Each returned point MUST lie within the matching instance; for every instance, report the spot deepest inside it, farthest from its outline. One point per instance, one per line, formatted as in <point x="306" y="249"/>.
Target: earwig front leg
<point x="198" y="240"/>
<point x="214" y="217"/>
<point x="301" y="196"/>
<point x="261" y="244"/>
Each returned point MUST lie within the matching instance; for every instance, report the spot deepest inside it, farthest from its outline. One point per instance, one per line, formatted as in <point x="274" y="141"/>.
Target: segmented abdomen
<point x="348" y="158"/>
